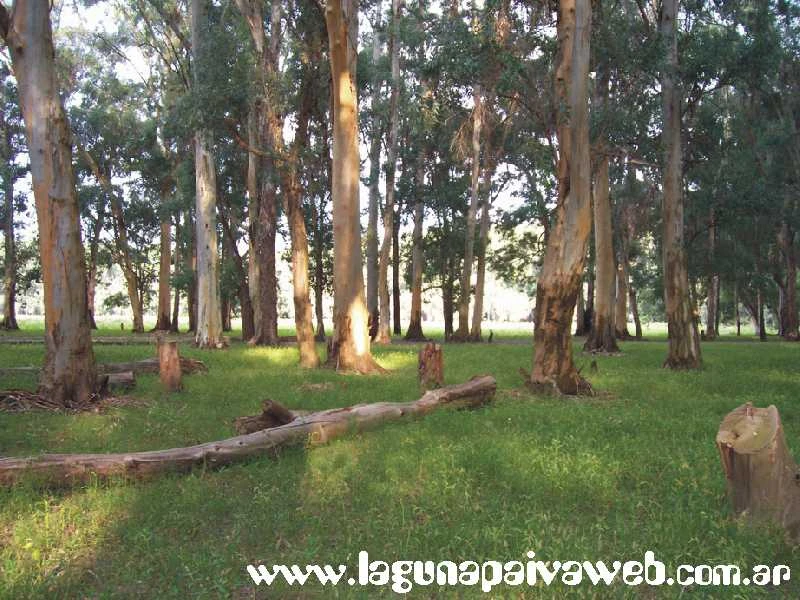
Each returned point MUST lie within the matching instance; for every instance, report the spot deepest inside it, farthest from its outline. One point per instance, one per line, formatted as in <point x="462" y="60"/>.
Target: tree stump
<point x="169" y="366"/>
<point x="431" y="366"/>
<point x="763" y="478"/>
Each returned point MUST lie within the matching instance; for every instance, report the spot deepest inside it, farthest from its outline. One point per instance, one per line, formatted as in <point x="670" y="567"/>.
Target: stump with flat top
<point x="169" y="366"/>
<point x="431" y="366"/>
<point x="763" y="478"/>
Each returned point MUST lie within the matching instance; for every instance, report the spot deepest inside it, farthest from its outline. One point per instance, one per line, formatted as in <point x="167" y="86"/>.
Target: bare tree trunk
<point x="384" y="327"/>
<point x="304" y="325"/>
<point x="414" y="331"/>
<point x="684" y="340"/>
<point x="68" y="374"/>
<point x="209" y="326"/>
<point x="163" y="317"/>
<point x="469" y="240"/>
<point x="350" y="347"/>
<point x="10" y="280"/>
<point x="176" y="301"/>
<point x="253" y="197"/>
<point x="712" y="302"/>
<point x="319" y="272"/>
<point x="786" y="245"/>
<point x="635" y="311"/>
<point x="374" y="184"/>
<point x="243" y="291"/>
<point x="483" y="242"/>
<point x="621" y="302"/>
<point x="396" y="325"/>
<point x="557" y="287"/>
<point x="191" y="266"/>
<point x="601" y="337"/>
<point x="91" y="282"/>
<point x="580" y="313"/>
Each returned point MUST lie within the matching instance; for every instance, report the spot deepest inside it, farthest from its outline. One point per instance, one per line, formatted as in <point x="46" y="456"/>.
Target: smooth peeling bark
<point x="68" y="374"/>
<point x="414" y="331"/>
<point x="684" y="339"/>
<point x="209" y="321"/>
<point x="350" y="346"/>
<point x="469" y="240"/>
<point x="384" y="324"/>
<point x="557" y="287"/>
<point x="601" y="337"/>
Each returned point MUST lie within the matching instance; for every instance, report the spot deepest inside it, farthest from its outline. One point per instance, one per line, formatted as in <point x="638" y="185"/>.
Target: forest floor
<point x="605" y="478"/>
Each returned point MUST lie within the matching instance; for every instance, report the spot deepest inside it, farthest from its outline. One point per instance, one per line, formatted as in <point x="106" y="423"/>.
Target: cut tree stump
<point x="315" y="428"/>
<point x="763" y="478"/>
<point x="114" y="382"/>
<point x="273" y="414"/>
<point x="431" y="366"/>
<point x="169" y="366"/>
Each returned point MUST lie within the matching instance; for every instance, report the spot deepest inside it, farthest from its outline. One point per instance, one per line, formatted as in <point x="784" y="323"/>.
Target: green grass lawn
<point x="635" y="469"/>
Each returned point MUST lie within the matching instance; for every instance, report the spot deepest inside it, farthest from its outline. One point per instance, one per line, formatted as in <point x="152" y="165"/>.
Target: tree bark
<point x="414" y="332"/>
<point x="396" y="325"/>
<point x="169" y="366"/>
<point x="483" y="242"/>
<point x="712" y="302"/>
<point x="91" y="277"/>
<point x="469" y="237"/>
<point x="163" y="315"/>
<point x="350" y="347"/>
<point x="384" y="325"/>
<point x="243" y="291"/>
<point x="319" y="272"/>
<point x="253" y="197"/>
<point x="209" y="325"/>
<point x="374" y="183"/>
<point x="684" y="340"/>
<point x="565" y="256"/>
<point x="759" y="469"/>
<point x="602" y="335"/>
<point x="68" y="375"/>
<point x="789" y="324"/>
<point x="176" y="301"/>
<point x="314" y="429"/>
<point x="9" y="321"/>
<point x="635" y="311"/>
<point x="431" y="366"/>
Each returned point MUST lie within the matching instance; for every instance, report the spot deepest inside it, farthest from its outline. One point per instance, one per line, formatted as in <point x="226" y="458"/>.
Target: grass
<point x="633" y="470"/>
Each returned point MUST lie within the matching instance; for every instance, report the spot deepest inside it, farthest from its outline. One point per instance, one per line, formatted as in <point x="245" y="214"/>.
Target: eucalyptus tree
<point x="68" y="374"/>
<point x="350" y="346"/>
<point x="557" y="287"/>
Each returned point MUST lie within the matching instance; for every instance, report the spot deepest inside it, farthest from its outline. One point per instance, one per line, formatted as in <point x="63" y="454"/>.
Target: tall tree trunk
<point x="712" y="302"/>
<point x="243" y="290"/>
<point x="588" y="314"/>
<point x="448" y="297"/>
<point x="68" y="374"/>
<point x="253" y="197"/>
<point x="580" y="313"/>
<point x="304" y="325"/>
<point x="384" y="325"/>
<point x="621" y="296"/>
<point x="414" y="331"/>
<point x="10" y="279"/>
<point x="736" y="309"/>
<point x="91" y="281"/>
<point x="209" y="326"/>
<point x="684" y="340"/>
<point x="163" y="317"/>
<point x="350" y="347"/>
<point x="635" y="311"/>
<point x="374" y="183"/>
<point x="396" y="324"/>
<point x="557" y="287"/>
<point x="319" y="271"/>
<point x="190" y="262"/>
<point x="602" y="335"/>
<point x="789" y="325"/>
<point x="469" y="236"/>
<point x="483" y="242"/>
<point x="176" y="259"/>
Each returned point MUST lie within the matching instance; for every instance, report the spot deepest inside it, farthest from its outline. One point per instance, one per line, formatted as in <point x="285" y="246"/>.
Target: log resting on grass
<point x="315" y="428"/>
<point x="763" y="478"/>
<point x="148" y="365"/>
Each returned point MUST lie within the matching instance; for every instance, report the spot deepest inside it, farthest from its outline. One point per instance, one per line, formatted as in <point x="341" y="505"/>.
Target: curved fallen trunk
<point x="316" y="428"/>
<point x="763" y="478"/>
<point x="147" y="365"/>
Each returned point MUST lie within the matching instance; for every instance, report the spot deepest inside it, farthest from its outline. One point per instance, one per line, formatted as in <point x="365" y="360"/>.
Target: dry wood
<point x="763" y="478"/>
<point x="431" y="366"/>
<point x="273" y="414"/>
<point x="117" y="381"/>
<point x="169" y="366"/>
<point x="316" y="428"/>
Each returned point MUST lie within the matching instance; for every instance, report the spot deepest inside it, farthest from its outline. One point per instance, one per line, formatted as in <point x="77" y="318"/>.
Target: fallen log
<point x="117" y="381"/>
<point x="763" y="478"/>
<point x="313" y="429"/>
<point x="147" y="365"/>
